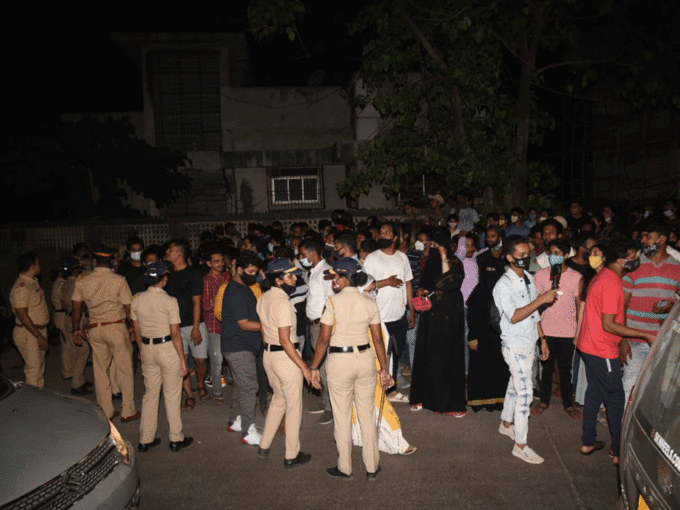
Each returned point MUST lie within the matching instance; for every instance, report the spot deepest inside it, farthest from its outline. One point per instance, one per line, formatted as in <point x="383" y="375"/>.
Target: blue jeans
<point x="518" y="396"/>
<point x="604" y="385"/>
<point x="215" y="356"/>
<point x="639" y="352"/>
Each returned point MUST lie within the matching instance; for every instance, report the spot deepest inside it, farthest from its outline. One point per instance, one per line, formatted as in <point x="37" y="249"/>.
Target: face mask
<point x="514" y="219"/>
<point x="651" y="250"/>
<point x="306" y="263"/>
<point x="595" y="261"/>
<point x="668" y="213"/>
<point x="502" y="222"/>
<point x="608" y="219"/>
<point x="453" y="224"/>
<point x="136" y="255"/>
<point x="336" y="254"/>
<point x="543" y="218"/>
<point x="646" y="215"/>
<point x="271" y="247"/>
<point x="556" y="260"/>
<point x="533" y="217"/>
<point x="419" y="246"/>
<point x="631" y="265"/>
<point x="249" y="279"/>
<point x="498" y="246"/>
<point x="523" y="263"/>
<point x="385" y="243"/>
<point x="288" y="289"/>
<point x="296" y="251"/>
<point x="335" y="286"/>
<point x="491" y="245"/>
<point x="330" y="247"/>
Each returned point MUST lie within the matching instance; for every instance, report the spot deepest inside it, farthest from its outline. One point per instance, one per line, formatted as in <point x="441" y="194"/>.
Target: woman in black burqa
<point x="438" y="376"/>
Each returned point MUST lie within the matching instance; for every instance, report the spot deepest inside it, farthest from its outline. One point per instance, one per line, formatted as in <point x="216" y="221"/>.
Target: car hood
<point x="42" y="434"/>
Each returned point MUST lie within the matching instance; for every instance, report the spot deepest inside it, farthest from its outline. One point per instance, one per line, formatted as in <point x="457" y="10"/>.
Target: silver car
<point x="61" y="452"/>
<point x="650" y="439"/>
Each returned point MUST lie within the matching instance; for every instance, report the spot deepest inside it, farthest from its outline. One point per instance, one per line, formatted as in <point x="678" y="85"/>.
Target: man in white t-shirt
<point x="392" y="272"/>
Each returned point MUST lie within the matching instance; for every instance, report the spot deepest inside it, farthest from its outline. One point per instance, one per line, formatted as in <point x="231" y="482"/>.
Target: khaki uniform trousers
<point x="161" y="367"/>
<point x="286" y="379"/>
<point x="112" y="342"/>
<point x="34" y="356"/>
<point x="352" y="377"/>
<point x="73" y="357"/>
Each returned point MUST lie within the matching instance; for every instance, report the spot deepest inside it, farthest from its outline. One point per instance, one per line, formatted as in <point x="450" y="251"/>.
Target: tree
<point x="76" y="169"/>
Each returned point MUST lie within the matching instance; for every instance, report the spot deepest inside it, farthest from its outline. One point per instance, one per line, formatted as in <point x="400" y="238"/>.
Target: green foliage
<point x="80" y="165"/>
<point x="269" y="17"/>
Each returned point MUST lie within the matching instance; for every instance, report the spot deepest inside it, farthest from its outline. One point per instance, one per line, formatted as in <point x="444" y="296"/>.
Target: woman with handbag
<point x="438" y="377"/>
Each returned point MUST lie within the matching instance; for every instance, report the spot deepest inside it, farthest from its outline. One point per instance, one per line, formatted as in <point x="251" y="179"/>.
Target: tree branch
<point x="568" y="63"/>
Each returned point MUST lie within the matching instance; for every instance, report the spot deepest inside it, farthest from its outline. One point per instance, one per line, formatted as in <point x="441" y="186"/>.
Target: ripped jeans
<point x="518" y="397"/>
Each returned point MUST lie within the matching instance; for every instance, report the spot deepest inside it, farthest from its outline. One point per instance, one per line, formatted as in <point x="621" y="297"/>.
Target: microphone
<point x="555" y="275"/>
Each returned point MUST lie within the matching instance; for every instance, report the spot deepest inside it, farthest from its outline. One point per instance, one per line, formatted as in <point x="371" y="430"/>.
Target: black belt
<point x="315" y="321"/>
<point x="161" y="340"/>
<point x="277" y="348"/>
<point x="359" y="348"/>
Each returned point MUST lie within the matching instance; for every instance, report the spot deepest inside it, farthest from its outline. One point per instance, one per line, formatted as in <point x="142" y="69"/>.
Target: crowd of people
<point x="445" y="311"/>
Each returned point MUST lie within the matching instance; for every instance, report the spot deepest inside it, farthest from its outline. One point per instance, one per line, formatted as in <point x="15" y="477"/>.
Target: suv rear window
<point x="658" y="390"/>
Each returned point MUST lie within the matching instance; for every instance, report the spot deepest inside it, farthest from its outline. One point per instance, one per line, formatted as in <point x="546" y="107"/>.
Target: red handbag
<point x="421" y="303"/>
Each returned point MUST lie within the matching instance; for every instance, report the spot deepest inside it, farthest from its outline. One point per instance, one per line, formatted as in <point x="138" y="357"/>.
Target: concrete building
<point x="252" y="150"/>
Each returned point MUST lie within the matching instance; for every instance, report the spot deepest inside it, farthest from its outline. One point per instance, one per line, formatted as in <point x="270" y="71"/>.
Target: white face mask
<point x="136" y="255"/>
<point x="419" y="246"/>
<point x="668" y="213"/>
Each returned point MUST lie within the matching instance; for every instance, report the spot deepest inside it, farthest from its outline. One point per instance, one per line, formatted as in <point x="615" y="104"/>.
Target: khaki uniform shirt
<point x="276" y="311"/>
<point x="104" y="293"/>
<point x="27" y="293"/>
<point x="155" y="310"/>
<point x="350" y="312"/>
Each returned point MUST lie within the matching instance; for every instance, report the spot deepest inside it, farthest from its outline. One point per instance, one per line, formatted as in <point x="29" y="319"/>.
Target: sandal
<point x="410" y="450"/>
<point x="189" y="404"/>
<point x="574" y="413"/>
<point x="539" y="409"/>
<point x="203" y="392"/>
<point x="599" y="445"/>
<point x="399" y="398"/>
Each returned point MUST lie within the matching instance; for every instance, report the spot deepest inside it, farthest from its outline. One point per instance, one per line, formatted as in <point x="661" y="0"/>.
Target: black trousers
<point x="397" y="331"/>
<point x="562" y="350"/>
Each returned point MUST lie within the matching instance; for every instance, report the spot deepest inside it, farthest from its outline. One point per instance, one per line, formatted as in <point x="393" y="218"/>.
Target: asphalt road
<point x="460" y="463"/>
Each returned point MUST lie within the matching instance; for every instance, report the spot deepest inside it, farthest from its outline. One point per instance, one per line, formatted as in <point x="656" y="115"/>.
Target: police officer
<point x="351" y="368"/>
<point x="156" y="320"/>
<point x="73" y="357"/>
<point x="282" y="362"/>
<point x="108" y="300"/>
<point x="30" y="327"/>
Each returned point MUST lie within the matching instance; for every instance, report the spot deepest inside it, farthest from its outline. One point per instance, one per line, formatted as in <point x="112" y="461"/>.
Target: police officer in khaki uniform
<point x="351" y="368"/>
<point x="156" y="320"/>
<point x="73" y="357"/>
<point x="282" y="362"/>
<point x="108" y="300"/>
<point x="30" y="327"/>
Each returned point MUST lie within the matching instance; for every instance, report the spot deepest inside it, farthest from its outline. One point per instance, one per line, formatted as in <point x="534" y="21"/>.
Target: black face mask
<point x="288" y="289"/>
<point x="523" y="263"/>
<point x="385" y="243"/>
<point x="336" y="254"/>
<point x="249" y="279"/>
<point x="631" y="265"/>
<point x="651" y="249"/>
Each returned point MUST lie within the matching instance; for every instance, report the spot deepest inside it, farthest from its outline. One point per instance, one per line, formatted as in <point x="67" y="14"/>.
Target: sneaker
<point x="208" y="382"/>
<point x="417" y="407"/>
<point x="235" y="426"/>
<point x="527" y="455"/>
<point x="459" y="414"/>
<point x="507" y="431"/>
<point x="253" y="437"/>
<point x="326" y="418"/>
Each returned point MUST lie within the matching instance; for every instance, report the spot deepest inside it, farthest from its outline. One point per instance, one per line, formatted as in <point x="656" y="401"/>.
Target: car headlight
<point x="120" y="443"/>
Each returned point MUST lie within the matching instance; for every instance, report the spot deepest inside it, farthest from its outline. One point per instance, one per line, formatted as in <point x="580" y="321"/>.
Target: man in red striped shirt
<point x="212" y="281"/>
<point x="649" y="295"/>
